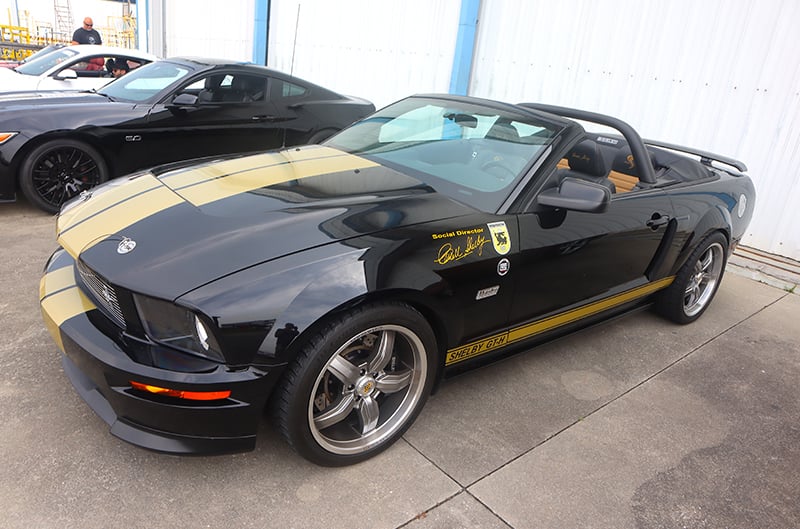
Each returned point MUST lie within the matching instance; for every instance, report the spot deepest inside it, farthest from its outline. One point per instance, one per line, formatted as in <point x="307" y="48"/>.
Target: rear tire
<point x="59" y="170"/>
<point x="357" y="385"/>
<point x="696" y="282"/>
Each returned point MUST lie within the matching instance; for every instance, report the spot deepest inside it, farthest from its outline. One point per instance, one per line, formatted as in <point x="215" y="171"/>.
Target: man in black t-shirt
<point x="86" y="34"/>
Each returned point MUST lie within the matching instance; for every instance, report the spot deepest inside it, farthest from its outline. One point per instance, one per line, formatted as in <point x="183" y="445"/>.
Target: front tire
<point x="59" y="170"/>
<point x="357" y="385"/>
<point x="696" y="282"/>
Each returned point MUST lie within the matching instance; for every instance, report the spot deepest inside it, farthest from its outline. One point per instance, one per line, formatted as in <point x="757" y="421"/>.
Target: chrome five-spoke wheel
<point x="703" y="280"/>
<point x="696" y="282"/>
<point x="358" y="384"/>
<point x="367" y="389"/>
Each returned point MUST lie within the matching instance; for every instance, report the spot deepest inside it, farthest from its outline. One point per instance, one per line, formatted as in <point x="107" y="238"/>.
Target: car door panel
<point x="570" y="257"/>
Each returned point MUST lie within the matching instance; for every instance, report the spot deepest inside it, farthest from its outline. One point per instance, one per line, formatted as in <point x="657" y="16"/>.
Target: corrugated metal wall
<point x="208" y="28"/>
<point x="381" y="50"/>
<point x="721" y="75"/>
<point x="718" y="75"/>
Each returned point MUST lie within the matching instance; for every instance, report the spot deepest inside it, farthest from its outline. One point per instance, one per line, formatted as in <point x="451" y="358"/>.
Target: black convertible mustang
<point x="53" y="145"/>
<point x="337" y="284"/>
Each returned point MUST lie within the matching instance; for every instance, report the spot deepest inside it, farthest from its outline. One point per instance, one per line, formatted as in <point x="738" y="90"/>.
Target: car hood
<point x="165" y="233"/>
<point x="11" y="80"/>
<point x="32" y="98"/>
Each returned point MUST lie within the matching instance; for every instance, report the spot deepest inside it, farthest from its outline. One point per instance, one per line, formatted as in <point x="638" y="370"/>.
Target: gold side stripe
<point x="66" y="304"/>
<point x="56" y="280"/>
<point x="211" y="191"/>
<point x="585" y="311"/>
<point x="109" y="197"/>
<point x="479" y="347"/>
<point x="89" y="233"/>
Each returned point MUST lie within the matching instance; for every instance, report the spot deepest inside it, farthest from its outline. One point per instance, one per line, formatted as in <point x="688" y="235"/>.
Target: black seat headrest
<point x="586" y="158"/>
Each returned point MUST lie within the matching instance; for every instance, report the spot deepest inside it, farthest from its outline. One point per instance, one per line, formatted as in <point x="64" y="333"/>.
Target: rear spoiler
<point x="705" y="157"/>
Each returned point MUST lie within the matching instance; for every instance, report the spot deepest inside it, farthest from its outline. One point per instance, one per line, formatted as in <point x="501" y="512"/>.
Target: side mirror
<point x="66" y="74"/>
<point x="577" y="195"/>
<point x="184" y="100"/>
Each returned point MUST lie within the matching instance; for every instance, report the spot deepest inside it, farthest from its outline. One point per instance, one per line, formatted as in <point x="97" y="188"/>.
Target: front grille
<point x="103" y="293"/>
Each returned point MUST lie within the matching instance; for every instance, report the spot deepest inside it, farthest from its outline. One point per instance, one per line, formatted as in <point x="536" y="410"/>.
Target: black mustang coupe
<point x="54" y="145"/>
<point x="336" y="284"/>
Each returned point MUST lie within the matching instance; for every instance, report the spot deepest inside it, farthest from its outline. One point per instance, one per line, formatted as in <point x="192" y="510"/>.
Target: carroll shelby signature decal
<point x="449" y="252"/>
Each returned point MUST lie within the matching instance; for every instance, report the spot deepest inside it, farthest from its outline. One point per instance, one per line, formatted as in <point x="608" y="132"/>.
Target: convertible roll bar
<point x="631" y="136"/>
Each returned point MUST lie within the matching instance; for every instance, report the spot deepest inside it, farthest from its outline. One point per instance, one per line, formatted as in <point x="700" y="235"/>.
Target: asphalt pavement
<point x="638" y="423"/>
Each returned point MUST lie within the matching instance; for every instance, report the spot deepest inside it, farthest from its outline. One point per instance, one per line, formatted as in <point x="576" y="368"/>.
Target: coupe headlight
<point x="5" y="136"/>
<point x="177" y="327"/>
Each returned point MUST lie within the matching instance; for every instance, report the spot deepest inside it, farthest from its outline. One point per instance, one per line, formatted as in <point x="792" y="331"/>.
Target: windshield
<point x="44" y="51"/>
<point x="145" y="82"/>
<point x="41" y="64"/>
<point x="473" y="153"/>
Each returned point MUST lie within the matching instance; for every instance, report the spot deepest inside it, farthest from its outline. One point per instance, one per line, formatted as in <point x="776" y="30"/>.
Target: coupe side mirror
<point x="184" y="100"/>
<point x="66" y="74"/>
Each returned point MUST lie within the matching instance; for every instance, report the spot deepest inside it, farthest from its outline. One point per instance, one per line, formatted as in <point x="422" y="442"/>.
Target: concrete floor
<point x="636" y="424"/>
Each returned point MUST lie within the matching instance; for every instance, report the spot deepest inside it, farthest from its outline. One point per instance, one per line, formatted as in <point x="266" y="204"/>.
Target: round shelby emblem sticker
<point x="503" y="267"/>
<point x="126" y="245"/>
<point x="500" y="239"/>
<point x="742" y="205"/>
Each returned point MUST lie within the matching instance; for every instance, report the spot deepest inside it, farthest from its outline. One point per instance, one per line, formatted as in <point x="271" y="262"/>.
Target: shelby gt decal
<point x="473" y="349"/>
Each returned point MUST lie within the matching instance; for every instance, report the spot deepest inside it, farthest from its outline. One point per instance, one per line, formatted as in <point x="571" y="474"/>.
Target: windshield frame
<point x="477" y="152"/>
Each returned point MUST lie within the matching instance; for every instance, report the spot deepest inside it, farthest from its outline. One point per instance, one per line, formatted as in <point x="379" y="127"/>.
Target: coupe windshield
<point x="145" y="82"/>
<point x="41" y="64"/>
<point x="476" y="154"/>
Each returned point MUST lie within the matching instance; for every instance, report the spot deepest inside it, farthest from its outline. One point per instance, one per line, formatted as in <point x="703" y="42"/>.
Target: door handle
<point x="657" y="220"/>
<point x="265" y="117"/>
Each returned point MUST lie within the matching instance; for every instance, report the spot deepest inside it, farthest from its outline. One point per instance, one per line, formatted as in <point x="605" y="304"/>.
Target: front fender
<point x="282" y="298"/>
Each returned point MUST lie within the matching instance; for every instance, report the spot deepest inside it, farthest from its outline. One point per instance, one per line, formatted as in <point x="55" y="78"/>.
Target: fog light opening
<point x="180" y="394"/>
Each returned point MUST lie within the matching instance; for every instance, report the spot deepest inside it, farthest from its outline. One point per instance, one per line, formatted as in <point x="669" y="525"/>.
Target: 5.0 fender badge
<point x="126" y="245"/>
<point x="503" y="267"/>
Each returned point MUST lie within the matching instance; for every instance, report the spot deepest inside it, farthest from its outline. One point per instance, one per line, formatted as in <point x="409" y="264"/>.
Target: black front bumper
<point x="101" y="372"/>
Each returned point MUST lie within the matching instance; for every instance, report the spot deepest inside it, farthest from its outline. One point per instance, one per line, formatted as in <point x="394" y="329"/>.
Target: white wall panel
<point x="209" y="28"/>
<point x="382" y="50"/>
<point x="719" y="75"/>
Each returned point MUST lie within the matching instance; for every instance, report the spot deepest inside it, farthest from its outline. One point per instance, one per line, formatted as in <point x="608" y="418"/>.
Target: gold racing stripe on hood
<point x="243" y="177"/>
<point x="82" y="236"/>
<point x="189" y="176"/>
<point x="115" y="207"/>
<point x="104" y="198"/>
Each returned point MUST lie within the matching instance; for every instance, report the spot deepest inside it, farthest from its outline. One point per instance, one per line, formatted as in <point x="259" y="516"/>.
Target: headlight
<point x="5" y="136"/>
<point x="177" y="327"/>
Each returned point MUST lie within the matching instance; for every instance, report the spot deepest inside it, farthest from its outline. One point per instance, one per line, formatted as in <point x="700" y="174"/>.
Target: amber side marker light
<point x="189" y="395"/>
